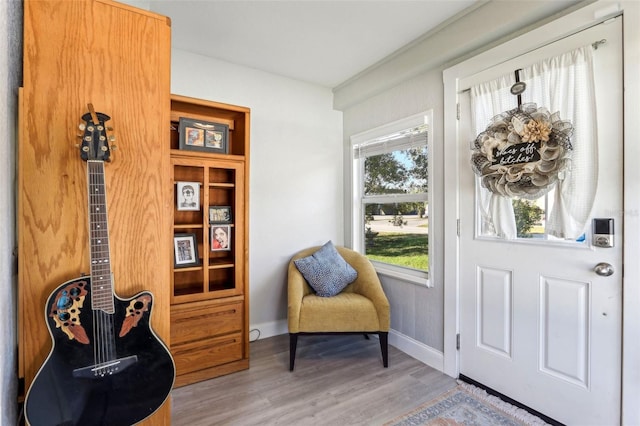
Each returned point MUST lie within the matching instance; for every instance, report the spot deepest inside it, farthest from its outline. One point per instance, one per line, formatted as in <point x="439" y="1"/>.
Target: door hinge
<point x="458" y="111"/>
<point x="458" y="227"/>
<point x="458" y="341"/>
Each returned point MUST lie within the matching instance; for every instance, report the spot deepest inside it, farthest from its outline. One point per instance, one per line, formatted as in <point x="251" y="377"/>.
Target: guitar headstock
<point x="95" y="141"/>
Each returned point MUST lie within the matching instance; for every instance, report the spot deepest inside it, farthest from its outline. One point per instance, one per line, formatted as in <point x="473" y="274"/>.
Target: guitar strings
<point x="101" y="288"/>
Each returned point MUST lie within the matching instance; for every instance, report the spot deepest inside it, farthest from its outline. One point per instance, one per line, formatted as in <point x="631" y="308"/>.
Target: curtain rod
<point x="595" y="45"/>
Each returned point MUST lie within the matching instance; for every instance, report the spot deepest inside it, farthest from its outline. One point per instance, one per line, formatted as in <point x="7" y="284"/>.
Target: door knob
<point x="603" y="269"/>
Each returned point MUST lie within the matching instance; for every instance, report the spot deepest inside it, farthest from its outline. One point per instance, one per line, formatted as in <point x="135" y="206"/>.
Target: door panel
<point x="494" y="290"/>
<point x="536" y="322"/>
<point x="564" y="329"/>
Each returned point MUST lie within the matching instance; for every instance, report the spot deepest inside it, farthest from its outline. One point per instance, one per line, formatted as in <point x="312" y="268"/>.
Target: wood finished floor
<point x="338" y="380"/>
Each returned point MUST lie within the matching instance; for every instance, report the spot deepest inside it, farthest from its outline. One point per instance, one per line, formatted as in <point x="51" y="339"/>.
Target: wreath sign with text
<point x="522" y="152"/>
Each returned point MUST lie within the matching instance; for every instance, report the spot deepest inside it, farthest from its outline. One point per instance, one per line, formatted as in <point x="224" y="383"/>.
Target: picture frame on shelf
<point x="188" y="196"/>
<point x="220" y="238"/>
<point x="185" y="249"/>
<point x="219" y="214"/>
<point x="207" y="136"/>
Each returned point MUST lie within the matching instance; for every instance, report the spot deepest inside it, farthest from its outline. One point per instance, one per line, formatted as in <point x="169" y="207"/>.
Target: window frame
<point x="358" y="200"/>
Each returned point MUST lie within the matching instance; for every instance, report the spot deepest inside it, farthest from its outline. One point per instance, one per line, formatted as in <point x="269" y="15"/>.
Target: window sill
<point x="417" y="278"/>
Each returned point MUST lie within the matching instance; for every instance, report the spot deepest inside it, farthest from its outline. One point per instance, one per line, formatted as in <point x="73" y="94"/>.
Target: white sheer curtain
<point x="488" y="100"/>
<point x="563" y="83"/>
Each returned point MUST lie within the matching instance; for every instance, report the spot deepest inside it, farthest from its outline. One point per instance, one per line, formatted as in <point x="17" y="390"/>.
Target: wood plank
<point x="338" y="380"/>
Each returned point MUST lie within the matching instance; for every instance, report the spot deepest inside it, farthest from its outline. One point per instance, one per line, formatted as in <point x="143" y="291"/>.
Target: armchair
<point x="360" y="308"/>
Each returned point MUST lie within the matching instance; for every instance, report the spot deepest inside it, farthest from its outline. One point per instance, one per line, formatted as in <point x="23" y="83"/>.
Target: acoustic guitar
<point x="106" y="365"/>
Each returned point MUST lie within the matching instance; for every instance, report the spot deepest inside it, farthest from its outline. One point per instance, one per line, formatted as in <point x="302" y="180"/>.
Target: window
<point x="390" y="220"/>
<point x="561" y="215"/>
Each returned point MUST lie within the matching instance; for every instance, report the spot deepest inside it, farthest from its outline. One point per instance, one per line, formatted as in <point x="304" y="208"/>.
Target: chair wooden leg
<point x="384" y="347"/>
<point x="293" y="343"/>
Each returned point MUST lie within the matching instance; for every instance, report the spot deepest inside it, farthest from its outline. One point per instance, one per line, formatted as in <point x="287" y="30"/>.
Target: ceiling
<point x="320" y="42"/>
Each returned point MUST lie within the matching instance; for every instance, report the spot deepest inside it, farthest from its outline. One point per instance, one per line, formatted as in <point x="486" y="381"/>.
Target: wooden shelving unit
<point x="209" y="301"/>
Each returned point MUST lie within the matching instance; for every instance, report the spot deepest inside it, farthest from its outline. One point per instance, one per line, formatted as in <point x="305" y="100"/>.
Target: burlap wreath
<point x="522" y="152"/>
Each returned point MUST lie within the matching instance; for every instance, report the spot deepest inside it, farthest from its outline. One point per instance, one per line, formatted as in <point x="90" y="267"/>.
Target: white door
<point x="537" y="323"/>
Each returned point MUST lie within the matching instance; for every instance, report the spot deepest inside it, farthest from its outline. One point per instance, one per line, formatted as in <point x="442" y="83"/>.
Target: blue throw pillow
<point x="326" y="271"/>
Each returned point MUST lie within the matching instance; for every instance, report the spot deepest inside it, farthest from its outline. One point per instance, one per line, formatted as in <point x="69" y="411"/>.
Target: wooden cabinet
<point x="209" y="299"/>
<point x="117" y="58"/>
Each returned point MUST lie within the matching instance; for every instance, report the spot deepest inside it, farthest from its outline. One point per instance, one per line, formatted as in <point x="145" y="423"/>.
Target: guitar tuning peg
<point x="79" y="136"/>
<point x="82" y="126"/>
<point x="110" y="129"/>
<point x="77" y="145"/>
<point x="112" y="138"/>
<point x="114" y="147"/>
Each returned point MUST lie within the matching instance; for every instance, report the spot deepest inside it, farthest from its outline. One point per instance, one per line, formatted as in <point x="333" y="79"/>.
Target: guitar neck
<point x="101" y="277"/>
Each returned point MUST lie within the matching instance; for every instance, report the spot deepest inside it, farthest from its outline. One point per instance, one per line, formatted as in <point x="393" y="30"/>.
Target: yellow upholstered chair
<point x="360" y="308"/>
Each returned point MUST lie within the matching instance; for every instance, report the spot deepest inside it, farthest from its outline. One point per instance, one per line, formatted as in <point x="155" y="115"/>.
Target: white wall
<point x="10" y="79"/>
<point x="296" y="181"/>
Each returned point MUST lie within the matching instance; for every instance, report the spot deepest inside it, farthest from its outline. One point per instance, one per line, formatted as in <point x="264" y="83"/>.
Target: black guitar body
<point x="103" y="369"/>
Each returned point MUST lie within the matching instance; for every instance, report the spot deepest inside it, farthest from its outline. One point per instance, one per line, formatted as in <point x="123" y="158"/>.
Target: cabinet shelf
<point x="187" y="291"/>
<point x="187" y="269"/>
<point x="178" y="153"/>
<point x="221" y="265"/>
<point x="188" y="226"/>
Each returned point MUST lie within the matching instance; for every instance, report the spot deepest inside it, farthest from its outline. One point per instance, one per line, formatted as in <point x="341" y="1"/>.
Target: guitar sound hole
<point x="138" y="305"/>
<point x="64" y="316"/>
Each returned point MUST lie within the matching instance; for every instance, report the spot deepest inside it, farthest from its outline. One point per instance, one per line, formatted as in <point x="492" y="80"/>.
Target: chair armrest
<point x="368" y="284"/>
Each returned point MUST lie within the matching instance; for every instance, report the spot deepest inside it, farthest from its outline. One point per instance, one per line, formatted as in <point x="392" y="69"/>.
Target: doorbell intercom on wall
<point x="603" y="232"/>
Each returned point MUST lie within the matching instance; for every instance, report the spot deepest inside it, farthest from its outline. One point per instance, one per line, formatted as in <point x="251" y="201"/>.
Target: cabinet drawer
<point x="202" y="321"/>
<point x="207" y="353"/>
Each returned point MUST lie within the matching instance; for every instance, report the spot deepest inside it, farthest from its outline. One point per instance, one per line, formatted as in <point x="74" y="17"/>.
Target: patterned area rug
<point x="467" y="405"/>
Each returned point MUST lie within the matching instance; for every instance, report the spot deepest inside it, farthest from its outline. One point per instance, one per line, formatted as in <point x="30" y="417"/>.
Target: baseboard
<point x="418" y="350"/>
<point x="268" y="329"/>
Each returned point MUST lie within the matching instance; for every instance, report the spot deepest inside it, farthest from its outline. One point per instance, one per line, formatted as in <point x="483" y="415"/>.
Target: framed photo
<point x="188" y="195"/>
<point x="198" y="135"/>
<point x="219" y="214"/>
<point x="221" y="238"/>
<point x="185" y="248"/>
